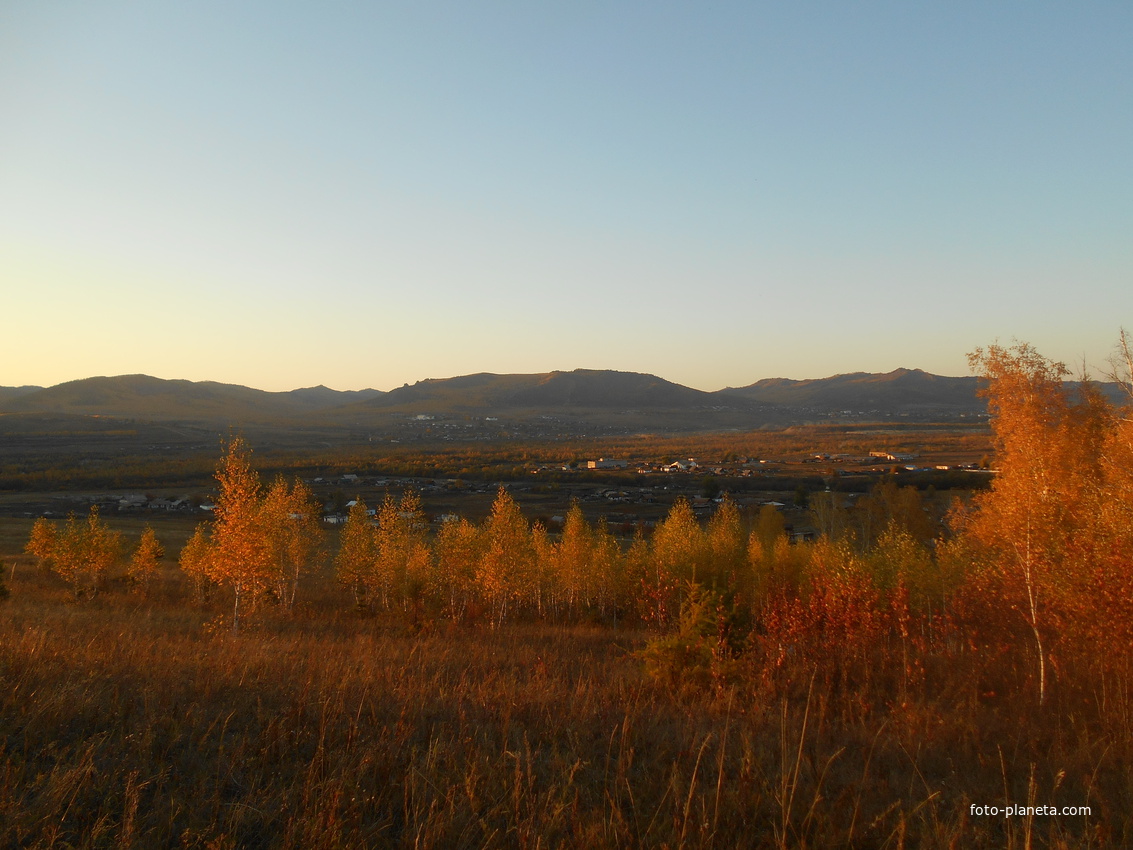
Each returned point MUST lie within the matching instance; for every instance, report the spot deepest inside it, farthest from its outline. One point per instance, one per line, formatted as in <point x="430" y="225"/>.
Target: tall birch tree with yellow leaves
<point x="1033" y="526"/>
<point x="290" y="523"/>
<point x="194" y="561"/>
<point x="506" y="569"/>
<point x="143" y="563"/>
<point x="241" y="558"/>
<point x="356" y="564"/>
<point x="459" y="547"/>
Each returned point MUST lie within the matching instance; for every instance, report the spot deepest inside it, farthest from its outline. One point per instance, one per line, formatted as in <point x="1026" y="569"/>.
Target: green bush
<point x="698" y="654"/>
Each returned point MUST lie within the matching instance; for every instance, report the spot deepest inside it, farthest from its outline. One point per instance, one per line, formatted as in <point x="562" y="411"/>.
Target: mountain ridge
<point x="581" y="388"/>
<point x="903" y="387"/>
<point x="594" y="394"/>
<point x="159" y="398"/>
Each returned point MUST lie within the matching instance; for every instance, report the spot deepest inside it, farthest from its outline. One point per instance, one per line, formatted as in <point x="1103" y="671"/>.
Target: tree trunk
<point x="236" y="612"/>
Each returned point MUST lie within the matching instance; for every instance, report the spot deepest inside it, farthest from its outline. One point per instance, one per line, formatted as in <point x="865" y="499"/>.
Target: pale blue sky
<point x="367" y="194"/>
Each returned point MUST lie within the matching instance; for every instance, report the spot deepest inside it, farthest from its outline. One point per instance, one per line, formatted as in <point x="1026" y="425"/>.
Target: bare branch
<point x="1121" y="364"/>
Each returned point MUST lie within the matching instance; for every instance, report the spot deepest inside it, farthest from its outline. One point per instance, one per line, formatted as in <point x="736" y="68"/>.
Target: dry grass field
<point x="146" y="723"/>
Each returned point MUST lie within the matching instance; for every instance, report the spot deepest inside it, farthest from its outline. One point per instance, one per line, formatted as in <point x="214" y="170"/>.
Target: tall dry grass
<point x="128" y="722"/>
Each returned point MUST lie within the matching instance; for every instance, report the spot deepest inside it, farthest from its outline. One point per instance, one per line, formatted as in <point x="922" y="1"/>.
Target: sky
<point x="366" y="194"/>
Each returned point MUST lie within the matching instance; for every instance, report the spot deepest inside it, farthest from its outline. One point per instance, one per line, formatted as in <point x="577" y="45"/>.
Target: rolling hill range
<point x="583" y="397"/>
<point x="140" y="396"/>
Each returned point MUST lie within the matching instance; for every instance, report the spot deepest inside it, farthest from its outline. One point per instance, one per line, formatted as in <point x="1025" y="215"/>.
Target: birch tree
<point x="572" y="560"/>
<point x="402" y="556"/>
<point x="241" y="558"/>
<point x="194" y="561"/>
<point x="143" y="563"/>
<point x="290" y="521"/>
<point x="84" y="553"/>
<point x="459" y="548"/>
<point x="41" y="542"/>
<point x="726" y="561"/>
<point x="1047" y="490"/>
<point x="507" y="565"/>
<point x="678" y="543"/>
<point x="356" y="562"/>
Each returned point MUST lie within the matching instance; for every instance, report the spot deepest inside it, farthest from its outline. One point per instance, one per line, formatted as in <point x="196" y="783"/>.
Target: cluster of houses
<point x="140" y="502"/>
<point x="890" y="456"/>
<point x="746" y="467"/>
<point x="614" y="463"/>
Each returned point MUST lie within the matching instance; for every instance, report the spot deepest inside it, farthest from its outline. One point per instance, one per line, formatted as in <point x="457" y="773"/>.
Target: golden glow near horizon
<point x="369" y="197"/>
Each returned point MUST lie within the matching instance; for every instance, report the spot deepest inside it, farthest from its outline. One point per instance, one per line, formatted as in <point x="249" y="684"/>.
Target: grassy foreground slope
<point x="127" y="723"/>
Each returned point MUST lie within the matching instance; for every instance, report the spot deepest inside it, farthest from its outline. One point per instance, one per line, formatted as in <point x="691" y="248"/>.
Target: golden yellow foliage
<point x="241" y="558"/>
<point x="505" y="573"/>
<point x="41" y="541"/>
<point x="356" y="562"/>
<point x="194" y="562"/>
<point x="289" y="518"/>
<point x="82" y="553"/>
<point x="143" y="563"/>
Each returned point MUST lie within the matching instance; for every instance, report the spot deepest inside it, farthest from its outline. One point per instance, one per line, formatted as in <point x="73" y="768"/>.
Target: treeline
<point x="513" y="460"/>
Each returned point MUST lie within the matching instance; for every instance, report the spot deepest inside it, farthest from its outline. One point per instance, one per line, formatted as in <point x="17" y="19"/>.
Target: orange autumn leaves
<point x="1052" y="539"/>
<point x="82" y="552"/>
<point x="260" y="541"/>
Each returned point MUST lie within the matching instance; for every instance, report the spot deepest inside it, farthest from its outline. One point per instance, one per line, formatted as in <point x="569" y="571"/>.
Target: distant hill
<point x="322" y="398"/>
<point x="908" y="392"/>
<point x="902" y="390"/>
<point x="9" y="393"/>
<point x="141" y="396"/>
<point x="582" y="389"/>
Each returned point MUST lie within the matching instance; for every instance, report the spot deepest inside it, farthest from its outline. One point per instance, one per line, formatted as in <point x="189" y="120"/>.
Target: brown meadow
<point x="143" y="724"/>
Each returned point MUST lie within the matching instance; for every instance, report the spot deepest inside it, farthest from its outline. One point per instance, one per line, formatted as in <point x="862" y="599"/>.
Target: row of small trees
<point x="506" y="568"/>
<point x="260" y="543"/>
<point x="502" y="567"/>
<point x="83" y="553"/>
<point x="263" y="539"/>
